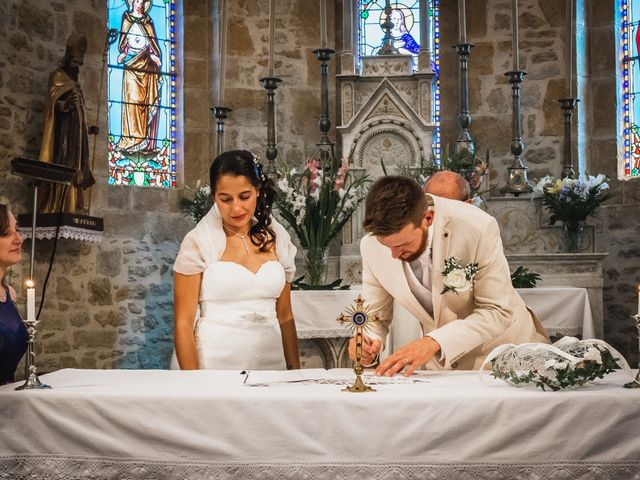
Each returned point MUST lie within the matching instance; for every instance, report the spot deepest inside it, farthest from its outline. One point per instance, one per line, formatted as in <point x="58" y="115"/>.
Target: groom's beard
<point x="423" y="245"/>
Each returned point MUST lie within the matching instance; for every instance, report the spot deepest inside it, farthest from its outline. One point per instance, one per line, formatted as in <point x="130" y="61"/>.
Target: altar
<point x="134" y="424"/>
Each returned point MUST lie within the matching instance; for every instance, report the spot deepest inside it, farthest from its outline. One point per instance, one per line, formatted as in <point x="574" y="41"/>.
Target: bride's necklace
<point x="242" y="237"/>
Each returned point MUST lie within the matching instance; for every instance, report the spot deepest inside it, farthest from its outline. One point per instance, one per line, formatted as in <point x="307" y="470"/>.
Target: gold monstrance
<point x="359" y="318"/>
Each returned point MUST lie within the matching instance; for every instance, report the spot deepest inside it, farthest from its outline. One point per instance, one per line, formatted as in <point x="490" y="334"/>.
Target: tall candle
<point x="514" y="21"/>
<point x="570" y="46"/>
<point x="223" y="54"/>
<point x="31" y="301"/>
<point x="323" y="23"/>
<point x="462" y="22"/>
<point x="638" y="299"/>
<point x="272" y="34"/>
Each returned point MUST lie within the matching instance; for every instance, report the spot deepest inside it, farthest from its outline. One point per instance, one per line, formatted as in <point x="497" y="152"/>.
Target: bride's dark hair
<point x="244" y="163"/>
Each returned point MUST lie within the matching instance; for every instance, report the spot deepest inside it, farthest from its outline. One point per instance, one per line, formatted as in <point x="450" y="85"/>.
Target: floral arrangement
<point x="567" y="363"/>
<point x="199" y="204"/>
<point x="316" y="203"/>
<point x="456" y="278"/>
<point x="572" y="199"/>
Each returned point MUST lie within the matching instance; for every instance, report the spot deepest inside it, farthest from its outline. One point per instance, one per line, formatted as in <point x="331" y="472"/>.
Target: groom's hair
<point x="392" y="203"/>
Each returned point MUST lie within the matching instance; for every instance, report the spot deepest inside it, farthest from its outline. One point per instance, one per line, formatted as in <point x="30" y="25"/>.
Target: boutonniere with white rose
<point x="458" y="278"/>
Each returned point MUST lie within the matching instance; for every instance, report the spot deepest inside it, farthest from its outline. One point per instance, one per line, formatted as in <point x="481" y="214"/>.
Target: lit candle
<point x="323" y="23"/>
<point x="31" y="301"/>
<point x="462" y="22"/>
<point x="514" y="21"/>
<point x="570" y="46"/>
<point x="638" y="299"/>
<point x="272" y="34"/>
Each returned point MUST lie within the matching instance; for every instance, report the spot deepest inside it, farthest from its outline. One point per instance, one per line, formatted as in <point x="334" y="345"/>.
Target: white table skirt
<point x="562" y="310"/>
<point x="112" y="424"/>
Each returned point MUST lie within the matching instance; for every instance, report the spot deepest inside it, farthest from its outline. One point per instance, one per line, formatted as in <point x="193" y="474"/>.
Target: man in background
<point x="448" y="184"/>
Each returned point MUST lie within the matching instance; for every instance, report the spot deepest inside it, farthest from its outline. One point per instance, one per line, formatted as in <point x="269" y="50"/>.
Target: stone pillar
<point x="349" y="47"/>
<point x="424" y="57"/>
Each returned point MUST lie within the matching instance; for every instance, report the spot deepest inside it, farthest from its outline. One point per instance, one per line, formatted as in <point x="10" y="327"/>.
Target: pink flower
<point x="342" y="171"/>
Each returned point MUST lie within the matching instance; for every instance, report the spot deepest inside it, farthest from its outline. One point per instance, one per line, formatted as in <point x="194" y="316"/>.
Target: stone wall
<point x="297" y="34"/>
<point x="542" y="56"/>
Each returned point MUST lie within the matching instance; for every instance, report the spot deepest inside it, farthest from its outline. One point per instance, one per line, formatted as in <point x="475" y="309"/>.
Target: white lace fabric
<point x="77" y="468"/>
<point x="542" y="360"/>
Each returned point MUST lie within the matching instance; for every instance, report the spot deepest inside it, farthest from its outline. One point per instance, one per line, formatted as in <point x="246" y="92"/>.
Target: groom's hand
<point x="411" y="357"/>
<point x="370" y="350"/>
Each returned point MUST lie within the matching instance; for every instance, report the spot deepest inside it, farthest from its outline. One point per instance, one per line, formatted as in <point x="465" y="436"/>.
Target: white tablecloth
<point x="113" y="424"/>
<point x="562" y="310"/>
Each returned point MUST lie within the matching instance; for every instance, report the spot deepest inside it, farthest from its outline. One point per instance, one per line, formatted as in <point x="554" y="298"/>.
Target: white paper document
<point x="318" y="376"/>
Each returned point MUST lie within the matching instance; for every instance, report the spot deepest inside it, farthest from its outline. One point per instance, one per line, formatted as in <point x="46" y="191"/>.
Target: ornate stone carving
<point x="347" y="102"/>
<point x="384" y="108"/>
<point x="362" y="94"/>
<point x="387" y="65"/>
<point x="388" y="146"/>
<point x="351" y="269"/>
<point x="409" y="91"/>
<point x="425" y="101"/>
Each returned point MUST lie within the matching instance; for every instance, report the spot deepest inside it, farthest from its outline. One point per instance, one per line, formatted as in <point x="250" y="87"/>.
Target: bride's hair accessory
<point x="258" y="168"/>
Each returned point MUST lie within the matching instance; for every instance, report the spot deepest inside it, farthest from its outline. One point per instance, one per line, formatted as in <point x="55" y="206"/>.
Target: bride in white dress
<point x="232" y="302"/>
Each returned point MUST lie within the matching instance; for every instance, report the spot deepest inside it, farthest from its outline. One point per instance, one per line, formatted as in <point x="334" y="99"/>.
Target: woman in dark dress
<point x="13" y="333"/>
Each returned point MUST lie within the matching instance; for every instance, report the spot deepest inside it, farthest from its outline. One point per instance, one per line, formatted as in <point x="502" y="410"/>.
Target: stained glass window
<point x="405" y="16"/>
<point x="142" y="93"/>
<point x="630" y="51"/>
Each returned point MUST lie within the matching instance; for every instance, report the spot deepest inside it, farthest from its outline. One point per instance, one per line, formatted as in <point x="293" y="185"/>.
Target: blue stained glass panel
<point x="141" y="93"/>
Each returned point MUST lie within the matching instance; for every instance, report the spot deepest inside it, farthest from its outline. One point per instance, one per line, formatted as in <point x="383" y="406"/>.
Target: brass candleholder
<point x="636" y="382"/>
<point x="359" y="318"/>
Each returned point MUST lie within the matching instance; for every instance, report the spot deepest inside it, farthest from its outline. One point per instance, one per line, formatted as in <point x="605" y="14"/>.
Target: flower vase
<point x="574" y="230"/>
<point x="316" y="262"/>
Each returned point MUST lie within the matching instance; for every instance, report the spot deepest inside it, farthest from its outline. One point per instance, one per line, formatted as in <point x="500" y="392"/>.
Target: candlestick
<point x="514" y="23"/>
<point x="638" y="299"/>
<point x="272" y="34"/>
<point x="31" y="301"/>
<point x="323" y="24"/>
<point x="462" y="22"/>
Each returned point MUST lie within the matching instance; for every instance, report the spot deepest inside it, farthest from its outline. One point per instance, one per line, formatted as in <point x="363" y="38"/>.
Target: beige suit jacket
<point x="468" y="325"/>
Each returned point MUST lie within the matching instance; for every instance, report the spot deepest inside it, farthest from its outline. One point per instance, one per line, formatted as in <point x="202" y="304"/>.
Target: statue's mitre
<point x="76" y="44"/>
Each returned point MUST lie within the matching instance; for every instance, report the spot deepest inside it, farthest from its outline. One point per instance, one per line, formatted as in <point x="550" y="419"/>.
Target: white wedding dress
<point x="236" y="327"/>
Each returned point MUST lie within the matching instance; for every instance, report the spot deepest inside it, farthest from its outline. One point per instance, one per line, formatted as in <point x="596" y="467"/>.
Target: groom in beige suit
<point x="464" y="315"/>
